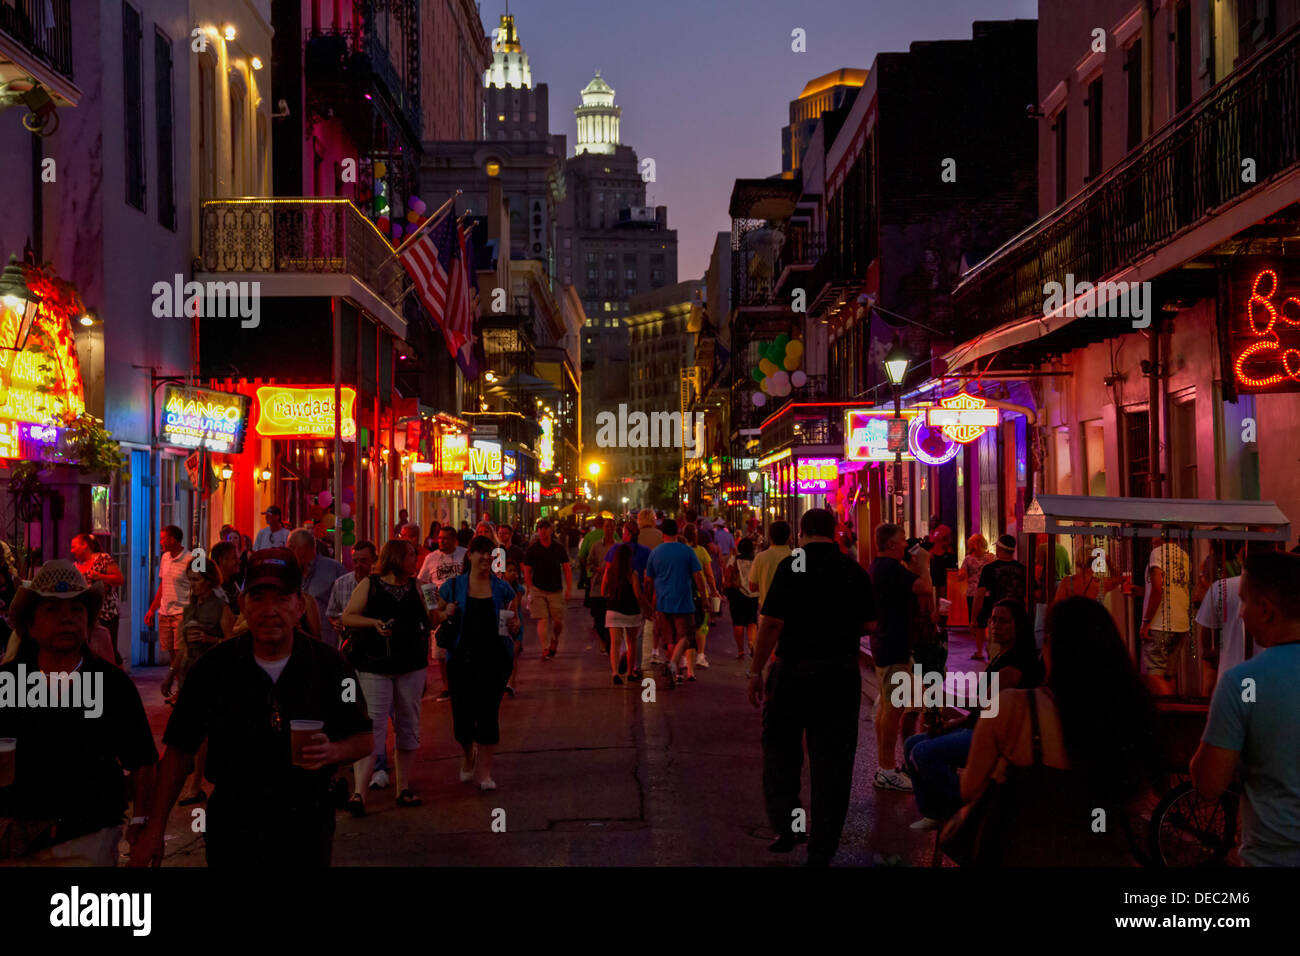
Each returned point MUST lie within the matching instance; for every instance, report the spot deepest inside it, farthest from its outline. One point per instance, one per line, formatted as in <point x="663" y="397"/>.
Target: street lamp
<point x="896" y="362"/>
<point x="15" y="294"/>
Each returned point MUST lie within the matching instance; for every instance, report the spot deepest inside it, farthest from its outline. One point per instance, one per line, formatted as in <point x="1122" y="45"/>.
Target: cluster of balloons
<point x="323" y="515"/>
<point x="417" y="211"/>
<point x="778" y="369"/>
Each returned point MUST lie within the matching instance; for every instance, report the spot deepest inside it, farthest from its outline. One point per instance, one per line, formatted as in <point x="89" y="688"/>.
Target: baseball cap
<point x="274" y="567"/>
<point x="1007" y="542"/>
<point x="273" y="510"/>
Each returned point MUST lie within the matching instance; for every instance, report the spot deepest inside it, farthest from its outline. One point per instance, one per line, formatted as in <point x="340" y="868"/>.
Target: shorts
<point x="885" y="675"/>
<point x="615" y="619"/>
<point x="1157" y="651"/>
<point x="678" y="627"/>
<point x="399" y="695"/>
<point x="169" y="626"/>
<point x="744" y="609"/>
<point x="547" y="604"/>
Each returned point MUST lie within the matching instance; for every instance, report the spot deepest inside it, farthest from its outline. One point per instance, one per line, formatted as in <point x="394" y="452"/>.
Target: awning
<point x="1153" y="517"/>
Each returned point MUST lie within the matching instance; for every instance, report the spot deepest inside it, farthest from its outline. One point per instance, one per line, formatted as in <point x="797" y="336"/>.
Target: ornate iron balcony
<point x="1176" y="179"/>
<point x="300" y="235"/>
<point x="43" y="28"/>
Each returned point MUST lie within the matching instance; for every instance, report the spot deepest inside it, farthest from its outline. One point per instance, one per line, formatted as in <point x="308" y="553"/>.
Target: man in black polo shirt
<point x="894" y="589"/>
<point x="240" y="697"/>
<point x="814" y="615"/>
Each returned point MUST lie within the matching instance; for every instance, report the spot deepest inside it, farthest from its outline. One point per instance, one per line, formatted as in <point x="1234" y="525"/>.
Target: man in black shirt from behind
<point x="817" y="608"/>
<point x="241" y="697"/>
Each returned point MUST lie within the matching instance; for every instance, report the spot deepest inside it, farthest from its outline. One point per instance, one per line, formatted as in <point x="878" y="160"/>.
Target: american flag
<point x="441" y="265"/>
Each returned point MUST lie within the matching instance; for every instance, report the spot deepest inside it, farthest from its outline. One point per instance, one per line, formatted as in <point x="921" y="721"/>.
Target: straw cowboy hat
<point x="58" y="580"/>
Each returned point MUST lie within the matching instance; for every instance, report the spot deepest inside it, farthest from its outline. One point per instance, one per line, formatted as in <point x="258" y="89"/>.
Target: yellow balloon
<point x="380" y="170"/>
<point x="792" y="362"/>
<point x="795" y="348"/>
<point x="763" y="384"/>
<point x="766" y="367"/>
<point x="413" y="217"/>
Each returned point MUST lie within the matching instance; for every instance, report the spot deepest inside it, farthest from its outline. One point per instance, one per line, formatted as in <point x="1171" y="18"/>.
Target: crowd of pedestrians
<point x="285" y="670"/>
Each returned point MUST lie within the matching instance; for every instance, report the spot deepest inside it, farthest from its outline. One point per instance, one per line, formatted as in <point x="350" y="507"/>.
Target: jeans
<point x="932" y="763"/>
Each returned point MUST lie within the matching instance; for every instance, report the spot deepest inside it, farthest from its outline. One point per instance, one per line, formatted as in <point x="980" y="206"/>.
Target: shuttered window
<point x="133" y="104"/>
<point x="164" y="130"/>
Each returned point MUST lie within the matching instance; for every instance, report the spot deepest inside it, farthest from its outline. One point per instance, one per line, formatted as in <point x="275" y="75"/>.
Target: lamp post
<point x="896" y="363"/>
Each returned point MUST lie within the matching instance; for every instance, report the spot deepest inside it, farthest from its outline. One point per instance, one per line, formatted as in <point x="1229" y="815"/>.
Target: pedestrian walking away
<point x="813" y="618"/>
<point x="674" y="576"/>
<point x="272" y="706"/>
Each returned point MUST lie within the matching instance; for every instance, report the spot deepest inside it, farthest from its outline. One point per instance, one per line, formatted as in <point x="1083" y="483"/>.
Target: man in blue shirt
<point x="669" y="573"/>
<point x="1254" y="713"/>
<point x="318" y="577"/>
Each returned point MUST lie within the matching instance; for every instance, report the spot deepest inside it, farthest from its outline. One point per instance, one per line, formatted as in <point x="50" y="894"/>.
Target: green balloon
<point x="349" y="539"/>
<point x="348" y="525"/>
<point x="781" y="341"/>
<point x="757" y="375"/>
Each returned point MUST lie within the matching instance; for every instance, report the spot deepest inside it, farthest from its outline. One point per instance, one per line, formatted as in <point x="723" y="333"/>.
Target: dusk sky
<point x="705" y="85"/>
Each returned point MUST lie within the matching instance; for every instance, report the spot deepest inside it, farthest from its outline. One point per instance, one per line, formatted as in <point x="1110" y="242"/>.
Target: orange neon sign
<point x="962" y="417"/>
<point x="287" y="412"/>
<point x="1264" y="364"/>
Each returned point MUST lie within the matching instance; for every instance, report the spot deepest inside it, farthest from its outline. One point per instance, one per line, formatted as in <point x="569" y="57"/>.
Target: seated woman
<point x="1087" y="756"/>
<point x="932" y="759"/>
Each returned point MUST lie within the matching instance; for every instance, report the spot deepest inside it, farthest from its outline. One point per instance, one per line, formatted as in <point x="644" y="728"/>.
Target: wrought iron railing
<point x="43" y="28"/>
<point x="299" y="235"/>
<point x="1169" y="184"/>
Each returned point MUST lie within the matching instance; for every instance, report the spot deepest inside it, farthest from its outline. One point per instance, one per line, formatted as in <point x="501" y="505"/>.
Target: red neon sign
<point x="1265" y="364"/>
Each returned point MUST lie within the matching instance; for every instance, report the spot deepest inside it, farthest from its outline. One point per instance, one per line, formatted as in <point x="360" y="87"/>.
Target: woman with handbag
<point x="1051" y="757"/>
<point x="479" y="659"/>
<point x="389" y="624"/>
<point x="743" y="601"/>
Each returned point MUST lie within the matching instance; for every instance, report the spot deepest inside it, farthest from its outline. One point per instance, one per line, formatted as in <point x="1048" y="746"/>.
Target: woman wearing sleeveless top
<point x="623" y="601"/>
<point x="1068" y="755"/>
<point x="388" y="643"/>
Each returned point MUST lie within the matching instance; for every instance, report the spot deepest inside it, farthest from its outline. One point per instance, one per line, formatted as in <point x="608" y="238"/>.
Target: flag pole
<point x="432" y="220"/>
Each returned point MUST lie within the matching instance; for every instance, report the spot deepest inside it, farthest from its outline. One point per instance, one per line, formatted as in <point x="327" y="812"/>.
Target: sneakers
<point x="925" y="823"/>
<point x="379" y="780"/>
<point x="670" y="674"/>
<point x="655" y="657"/>
<point x="893" y="780"/>
<point x="487" y="784"/>
<point x="701" y="661"/>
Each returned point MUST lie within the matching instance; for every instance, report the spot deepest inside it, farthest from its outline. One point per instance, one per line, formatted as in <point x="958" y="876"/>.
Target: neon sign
<point x="1264" y="364"/>
<point x="866" y="434"/>
<point x="486" y="462"/>
<point x="455" y="455"/>
<point x="546" y="444"/>
<point x="930" y="445"/>
<point x="815" y="475"/>
<point x="285" y="412"/>
<point x="200" y="416"/>
<point x="962" y="417"/>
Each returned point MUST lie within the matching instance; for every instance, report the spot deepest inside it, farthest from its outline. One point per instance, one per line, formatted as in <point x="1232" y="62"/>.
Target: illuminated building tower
<point x="514" y="110"/>
<point x="597" y="118"/>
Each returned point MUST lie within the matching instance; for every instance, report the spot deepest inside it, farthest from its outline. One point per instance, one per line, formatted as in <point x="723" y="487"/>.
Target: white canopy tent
<point x="1154" y="517"/>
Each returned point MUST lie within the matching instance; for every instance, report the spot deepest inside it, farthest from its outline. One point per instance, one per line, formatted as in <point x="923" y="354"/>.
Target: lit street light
<point x="896" y="363"/>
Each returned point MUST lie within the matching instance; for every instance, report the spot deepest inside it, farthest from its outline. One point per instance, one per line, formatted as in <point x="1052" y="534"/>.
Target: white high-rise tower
<point x="597" y="118"/>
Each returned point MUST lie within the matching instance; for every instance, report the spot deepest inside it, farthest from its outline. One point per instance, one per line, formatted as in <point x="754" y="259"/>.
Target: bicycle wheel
<point x="1187" y="830"/>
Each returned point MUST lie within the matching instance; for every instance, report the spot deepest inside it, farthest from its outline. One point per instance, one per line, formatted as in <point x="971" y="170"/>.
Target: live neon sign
<point x="1264" y="364"/>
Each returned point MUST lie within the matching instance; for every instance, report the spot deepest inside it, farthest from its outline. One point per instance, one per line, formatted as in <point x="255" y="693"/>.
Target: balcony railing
<point x="300" y="235"/>
<point x="1179" y="177"/>
<point x="43" y="28"/>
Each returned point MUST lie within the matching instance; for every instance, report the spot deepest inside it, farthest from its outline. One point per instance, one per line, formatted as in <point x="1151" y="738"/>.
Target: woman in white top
<point x="977" y="555"/>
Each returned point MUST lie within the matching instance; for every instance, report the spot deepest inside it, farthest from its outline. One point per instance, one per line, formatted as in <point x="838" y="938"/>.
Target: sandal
<point x="357" y="806"/>
<point x="407" y="798"/>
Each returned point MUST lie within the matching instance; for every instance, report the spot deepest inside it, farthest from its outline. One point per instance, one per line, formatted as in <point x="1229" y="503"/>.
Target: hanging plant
<point x="92" y="446"/>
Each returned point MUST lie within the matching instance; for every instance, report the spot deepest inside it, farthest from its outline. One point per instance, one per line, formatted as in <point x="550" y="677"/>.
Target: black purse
<point x="965" y="838"/>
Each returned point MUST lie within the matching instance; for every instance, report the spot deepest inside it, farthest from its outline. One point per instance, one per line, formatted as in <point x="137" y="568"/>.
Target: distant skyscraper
<point x="597" y="118"/>
<point x="825" y="94"/>
<point x="514" y="110"/>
